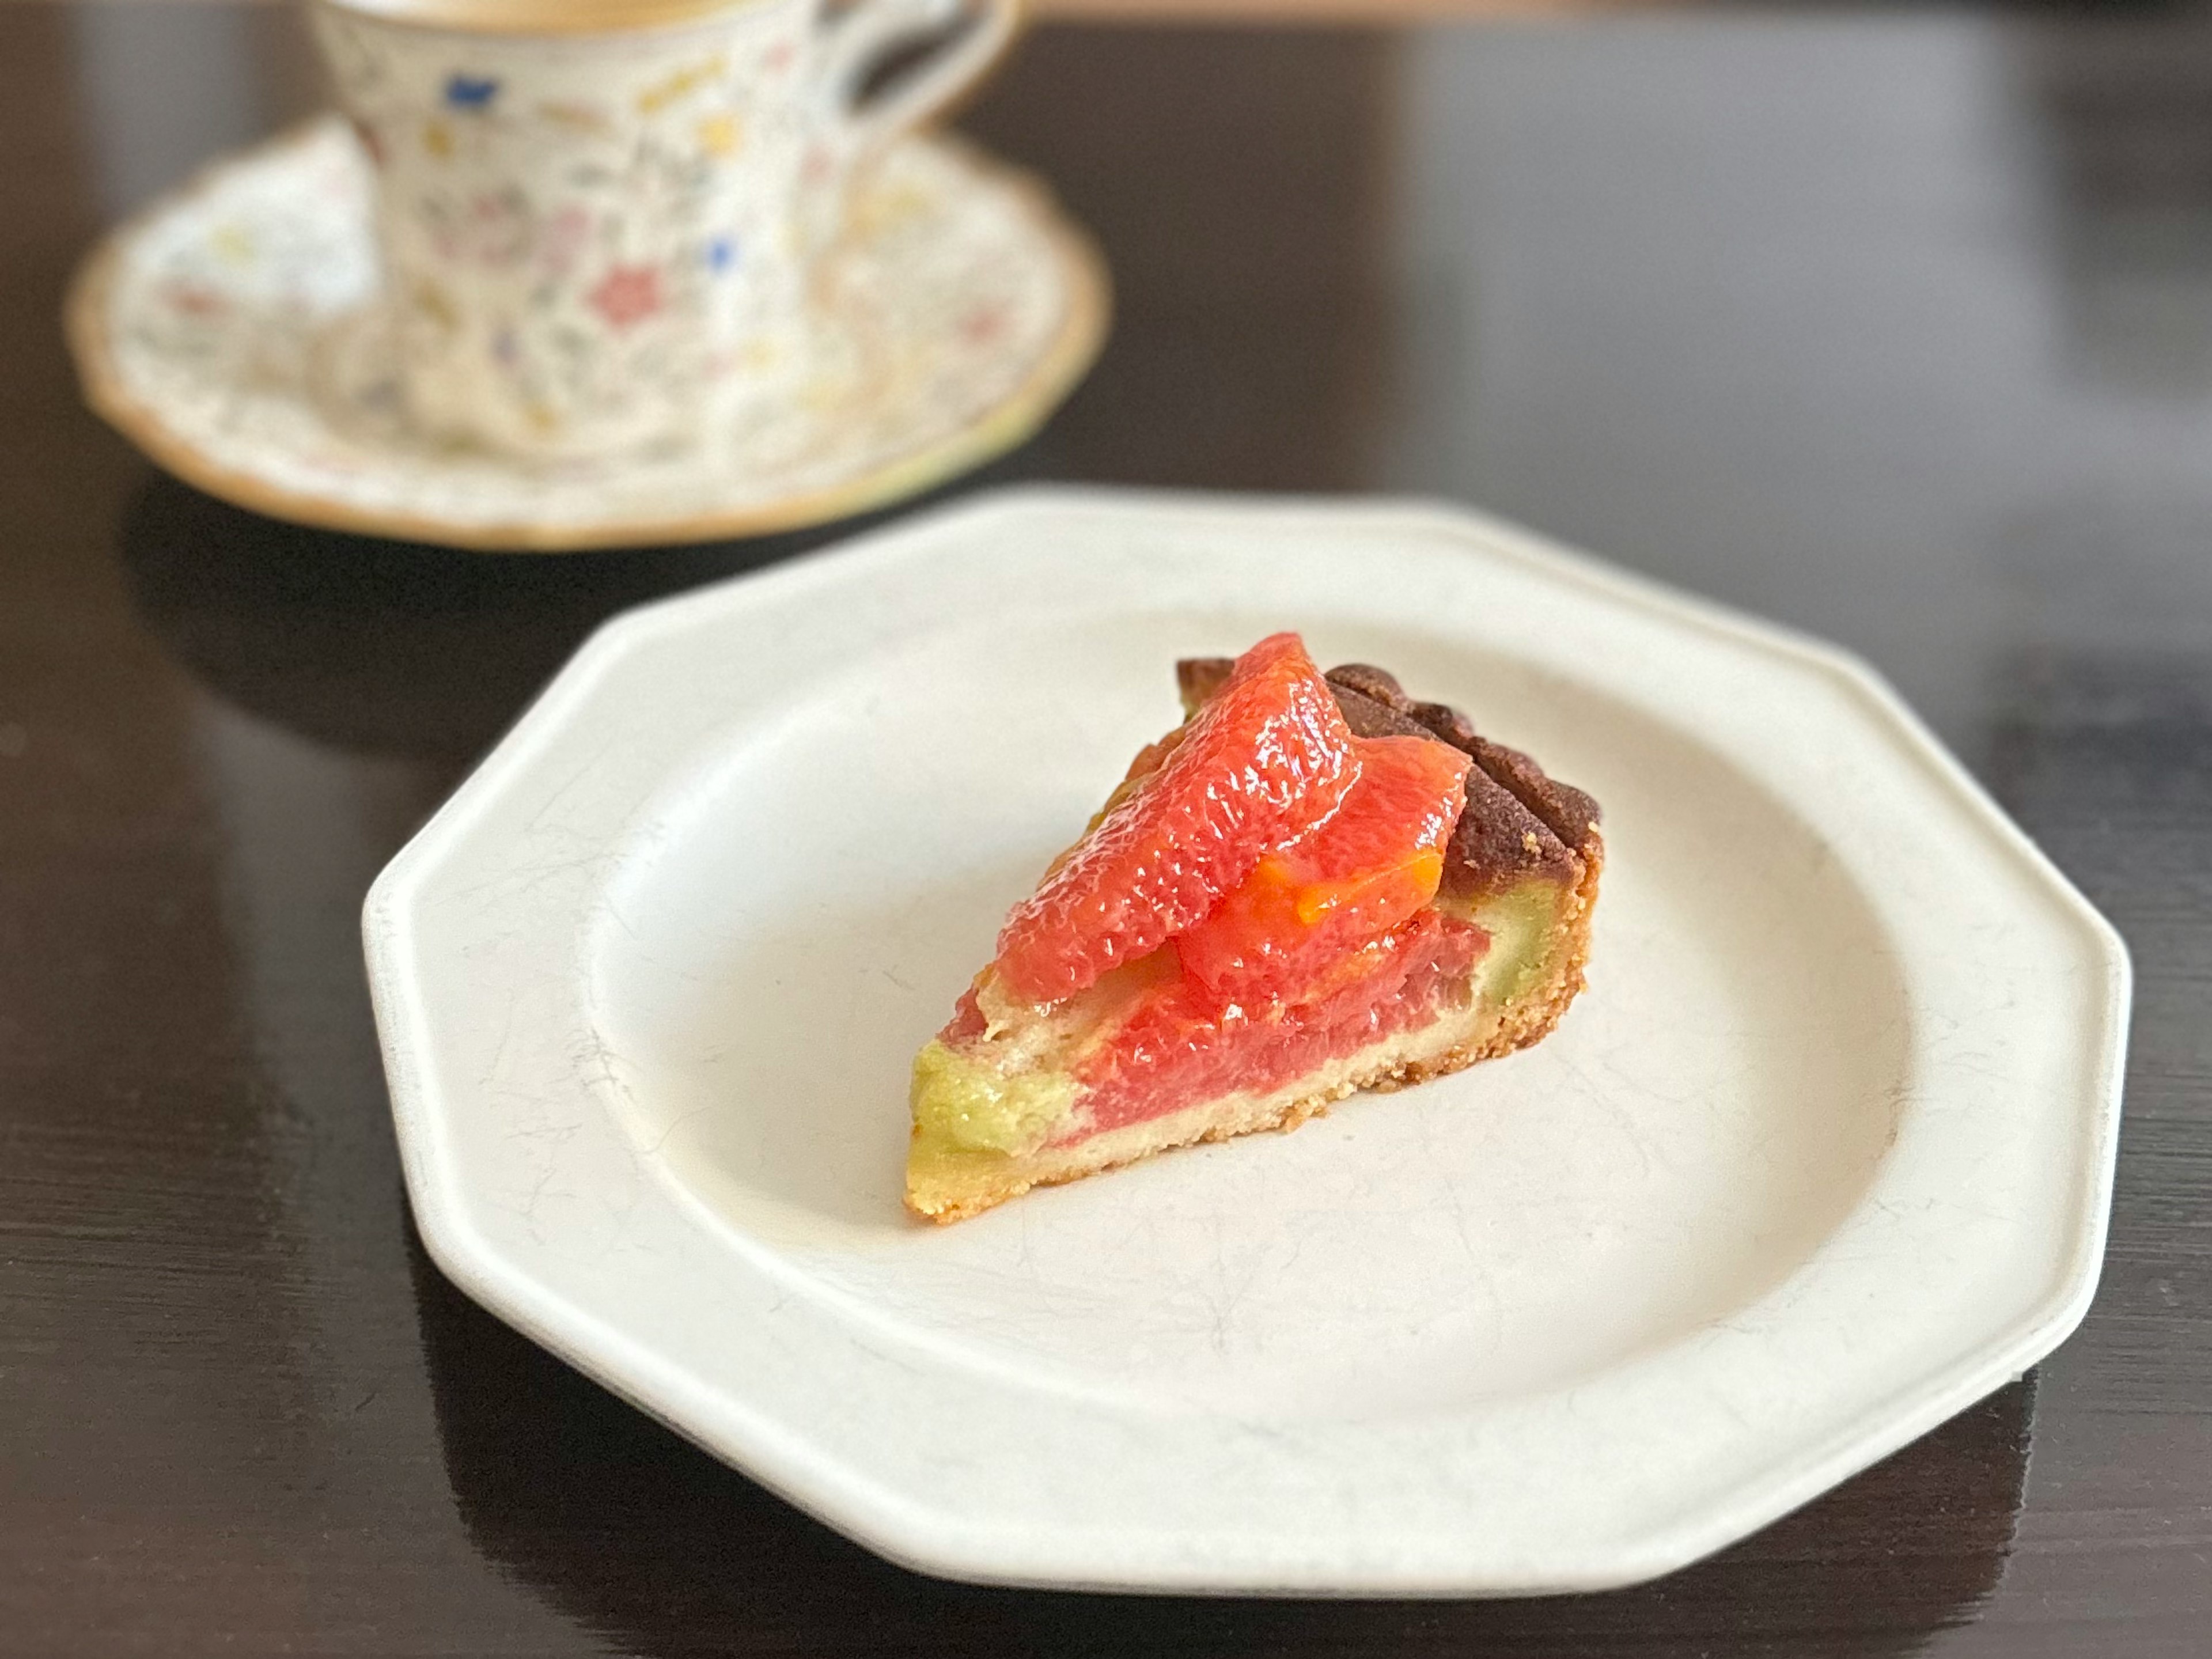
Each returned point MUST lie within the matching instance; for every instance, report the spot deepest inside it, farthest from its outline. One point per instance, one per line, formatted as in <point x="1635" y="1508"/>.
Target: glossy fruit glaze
<point x="1369" y="868"/>
<point x="1268" y="760"/>
<point x="1181" y="1046"/>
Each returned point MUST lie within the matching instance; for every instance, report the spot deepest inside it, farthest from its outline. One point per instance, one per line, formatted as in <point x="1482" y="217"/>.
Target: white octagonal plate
<point x="1822" y="1155"/>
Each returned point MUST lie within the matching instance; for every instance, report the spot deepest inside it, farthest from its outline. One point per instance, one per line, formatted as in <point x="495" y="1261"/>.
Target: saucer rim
<point x="87" y="317"/>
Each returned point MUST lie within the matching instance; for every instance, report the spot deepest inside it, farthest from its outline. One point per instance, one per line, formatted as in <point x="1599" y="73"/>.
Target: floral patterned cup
<point x="600" y="219"/>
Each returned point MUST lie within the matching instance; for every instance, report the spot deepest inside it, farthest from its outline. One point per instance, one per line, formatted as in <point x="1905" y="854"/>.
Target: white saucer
<point x="229" y="332"/>
<point x="1823" y="1154"/>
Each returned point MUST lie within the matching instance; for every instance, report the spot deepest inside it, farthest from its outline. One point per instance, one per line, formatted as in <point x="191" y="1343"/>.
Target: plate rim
<point x="884" y="1521"/>
<point x="86" y="313"/>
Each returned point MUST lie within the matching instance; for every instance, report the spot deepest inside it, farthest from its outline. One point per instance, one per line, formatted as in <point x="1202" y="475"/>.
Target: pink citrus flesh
<point x="1178" y="1049"/>
<point x="1375" y="863"/>
<point x="1267" y="761"/>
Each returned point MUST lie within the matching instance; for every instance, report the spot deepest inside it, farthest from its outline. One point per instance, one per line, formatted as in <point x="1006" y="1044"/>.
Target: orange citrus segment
<point x="1369" y="867"/>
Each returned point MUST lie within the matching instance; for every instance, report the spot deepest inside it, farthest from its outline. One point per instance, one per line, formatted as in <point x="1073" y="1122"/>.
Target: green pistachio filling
<point x="1519" y="923"/>
<point x="962" y="1103"/>
<point x="966" y="1108"/>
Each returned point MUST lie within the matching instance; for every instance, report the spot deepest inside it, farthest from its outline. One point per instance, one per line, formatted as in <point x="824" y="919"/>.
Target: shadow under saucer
<point x="399" y="649"/>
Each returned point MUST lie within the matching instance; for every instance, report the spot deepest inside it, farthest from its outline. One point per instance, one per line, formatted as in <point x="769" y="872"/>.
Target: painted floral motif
<point x="984" y="325"/>
<point x="493" y="231"/>
<point x="719" y="135"/>
<point x="428" y="300"/>
<point x="565" y="237"/>
<point x="565" y="222"/>
<point x="691" y="78"/>
<point x="609" y="242"/>
<point x="628" y="295"/>
<point x="576" y="117"/>
<point x="234" y="245"/>
<point x="470" y="91"/>
<point x="192" y="301"/>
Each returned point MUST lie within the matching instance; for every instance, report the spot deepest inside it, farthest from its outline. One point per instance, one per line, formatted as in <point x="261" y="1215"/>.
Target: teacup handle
<point x="850" y="132"/>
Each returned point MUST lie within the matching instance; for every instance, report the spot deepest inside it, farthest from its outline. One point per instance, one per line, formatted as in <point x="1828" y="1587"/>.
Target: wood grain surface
<point x="1899" y="328"/>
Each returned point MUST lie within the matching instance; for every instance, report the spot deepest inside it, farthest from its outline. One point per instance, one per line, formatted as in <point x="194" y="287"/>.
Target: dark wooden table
<point x="1896" y="327"/>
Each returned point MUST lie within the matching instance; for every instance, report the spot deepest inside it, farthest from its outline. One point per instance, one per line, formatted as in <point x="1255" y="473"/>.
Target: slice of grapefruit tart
<point x="1314" y="884"/>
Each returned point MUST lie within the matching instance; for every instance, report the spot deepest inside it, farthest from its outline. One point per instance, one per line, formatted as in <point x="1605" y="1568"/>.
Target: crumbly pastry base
<point x="952" y="1187"/>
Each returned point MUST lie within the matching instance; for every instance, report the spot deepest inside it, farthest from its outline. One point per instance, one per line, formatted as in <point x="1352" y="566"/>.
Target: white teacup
<point x="600" y="218"/>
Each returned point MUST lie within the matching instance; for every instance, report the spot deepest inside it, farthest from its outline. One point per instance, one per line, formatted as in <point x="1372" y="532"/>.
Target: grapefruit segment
<point x="1307" y="907"/>
<point x="1177" y="1048"/>
<point x="1264" y="762"/>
